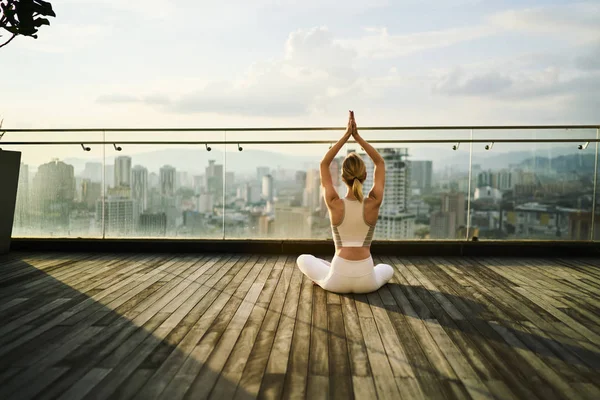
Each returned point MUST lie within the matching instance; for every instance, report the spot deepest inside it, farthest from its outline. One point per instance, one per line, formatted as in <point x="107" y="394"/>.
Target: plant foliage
<point x="24" y="17"/>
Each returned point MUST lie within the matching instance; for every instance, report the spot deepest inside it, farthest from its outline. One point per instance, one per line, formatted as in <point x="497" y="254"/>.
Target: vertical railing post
<point x="103" y="197"/>
<point x="469" y="187"/>
<point x="224" y="179"/>
<point x="595" y="185"/>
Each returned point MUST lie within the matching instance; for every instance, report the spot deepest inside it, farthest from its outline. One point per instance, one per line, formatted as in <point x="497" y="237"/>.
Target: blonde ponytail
<point x="354" y="173"/>
<point x="357" y="189"/>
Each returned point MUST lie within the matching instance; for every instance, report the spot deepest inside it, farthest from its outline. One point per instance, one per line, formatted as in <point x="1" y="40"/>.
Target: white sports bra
<point x="353" y="231"/>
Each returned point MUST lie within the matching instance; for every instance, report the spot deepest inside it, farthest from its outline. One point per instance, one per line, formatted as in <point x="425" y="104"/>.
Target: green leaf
<point x="40" y="22"/>
<point x="43" y="8"/>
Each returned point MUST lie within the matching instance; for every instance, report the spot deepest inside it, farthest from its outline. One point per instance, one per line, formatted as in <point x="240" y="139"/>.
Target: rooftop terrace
<point x="96" y="325"/>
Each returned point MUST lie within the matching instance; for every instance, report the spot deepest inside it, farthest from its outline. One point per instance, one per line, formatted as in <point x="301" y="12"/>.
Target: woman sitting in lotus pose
<point x="353" y="220"/>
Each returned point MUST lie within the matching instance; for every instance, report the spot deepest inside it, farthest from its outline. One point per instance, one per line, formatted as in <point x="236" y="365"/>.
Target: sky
<point x="275" y="63"/>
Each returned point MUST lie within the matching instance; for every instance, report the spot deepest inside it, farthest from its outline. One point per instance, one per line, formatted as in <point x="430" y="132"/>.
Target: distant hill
<point x="195" y="160"/>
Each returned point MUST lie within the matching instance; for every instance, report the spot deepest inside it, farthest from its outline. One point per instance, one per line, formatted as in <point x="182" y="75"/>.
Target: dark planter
<point x="10" y="163"/>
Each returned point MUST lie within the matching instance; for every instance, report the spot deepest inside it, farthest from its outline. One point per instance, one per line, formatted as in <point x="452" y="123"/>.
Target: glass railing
<point x="442" y="183"/>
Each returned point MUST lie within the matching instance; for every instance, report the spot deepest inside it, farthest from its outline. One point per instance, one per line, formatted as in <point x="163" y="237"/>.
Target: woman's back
<point x="353" y="226"/>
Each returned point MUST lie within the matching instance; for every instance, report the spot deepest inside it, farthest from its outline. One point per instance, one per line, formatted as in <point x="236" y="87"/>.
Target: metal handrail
<point x="199" y="142"/>
<point x="333" y="128"/>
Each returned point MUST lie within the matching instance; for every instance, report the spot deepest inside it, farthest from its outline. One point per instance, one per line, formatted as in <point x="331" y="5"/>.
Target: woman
<point x="353" y="220"/>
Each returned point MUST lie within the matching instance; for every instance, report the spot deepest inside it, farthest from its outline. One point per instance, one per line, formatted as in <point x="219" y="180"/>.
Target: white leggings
<point x="345" y="276"/>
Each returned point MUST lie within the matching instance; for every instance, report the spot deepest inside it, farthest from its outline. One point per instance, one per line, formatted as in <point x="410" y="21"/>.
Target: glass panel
<point x="533" y="191"/>
<point x="164" y="191"/>
<point x="275" y="189"/>
<point x="58" y="186"/>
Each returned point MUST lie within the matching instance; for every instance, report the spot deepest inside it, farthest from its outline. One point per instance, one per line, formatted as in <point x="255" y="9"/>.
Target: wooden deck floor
<point x="240" y="326"/>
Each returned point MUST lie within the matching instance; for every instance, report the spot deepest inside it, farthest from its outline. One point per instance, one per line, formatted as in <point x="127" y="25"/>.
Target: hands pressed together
<point x="351" y="130"/>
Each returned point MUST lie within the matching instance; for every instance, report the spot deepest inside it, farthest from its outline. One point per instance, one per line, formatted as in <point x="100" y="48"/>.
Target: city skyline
<point x="422" y="199"/>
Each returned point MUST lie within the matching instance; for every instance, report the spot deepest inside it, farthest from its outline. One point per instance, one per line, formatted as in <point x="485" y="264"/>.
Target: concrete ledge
<point x="398" y="248"/>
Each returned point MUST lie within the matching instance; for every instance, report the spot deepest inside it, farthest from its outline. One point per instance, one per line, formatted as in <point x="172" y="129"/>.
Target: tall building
<point x="214" y="180"/>
<point x="139" y="186"/>
<point x="394" y="222"/>
<point x="120" y="216"/>
<point x="53" y="193"/>
<point x="90" y="192"/>
<point x="92" y="171"/>
<point x="153" y="180"/>
<point x="445" y="223"/>
<point x="335" y="170"/>
<point x="198" y="183"/>
<point x="249" y="193"/>
<point x="153" y="224"/>
<point x="300" y="179"/>
<point x="312" y="190"/>
<point x="421" y="173"/>
<point x="182" y="179"/>
<point x="455" y="203"/>
<point x="167" y="181"/>
<point x="442" y="225"/>
<point x="262" y="171"/>
<point x="123" y="171"/>
<point x="267" y="188"/>
<point x="109" y="175"/>
<point x="291" y="222"/>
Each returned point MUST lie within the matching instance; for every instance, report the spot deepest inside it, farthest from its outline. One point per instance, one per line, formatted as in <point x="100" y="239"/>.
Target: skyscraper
<point x="262" y="171"/>
<point x="93" y="171"/>
<point x="123" y="171"/>
<point x="445" y="223"/>
<point x="421" y="173"/>
<point x="394" y="221"/>
<point x="139" y="186"/>
<point x="214" y="180"/>
<point x="267" y="188"/>
<point x="53" y="194"/>
<point x="312" y="191"/>
<point x="167" y="180"/>
<point x="90" y="192"/>
<point x="120" y="215"/>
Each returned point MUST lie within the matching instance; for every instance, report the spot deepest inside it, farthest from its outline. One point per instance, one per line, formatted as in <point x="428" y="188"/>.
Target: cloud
<point x="456" y="83"/>
<point x="313" y="68"/>
<point x="379" y="43"/>
<point x="518" y="87"/>
<point x="117" y="99"/>
<point x="575" y="21"/>
<point x="591" y="60"/>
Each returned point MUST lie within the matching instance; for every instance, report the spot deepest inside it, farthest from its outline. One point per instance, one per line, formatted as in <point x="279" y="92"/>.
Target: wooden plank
<point x="318" y="365"/>
<point x="380" y="366"/>
<point x="340" y="375"/>
<point x="296" y="379"/>
<point x="38" y="384"/>
<point x="118" y="293"/>
<point x="394" y="349"/>
<point x="234" y="366"/>
<point x="211" y="370"/>
<point x="118" y="341"/>
<point x="277" y="365"/>
<point x="84" y="385"/>
<point x="123" y="370"/>
<point x="254" y="369"/>
<point x="551" y="377"/>
<point x="133" y="385"/>
<point x="501" y="361"/>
